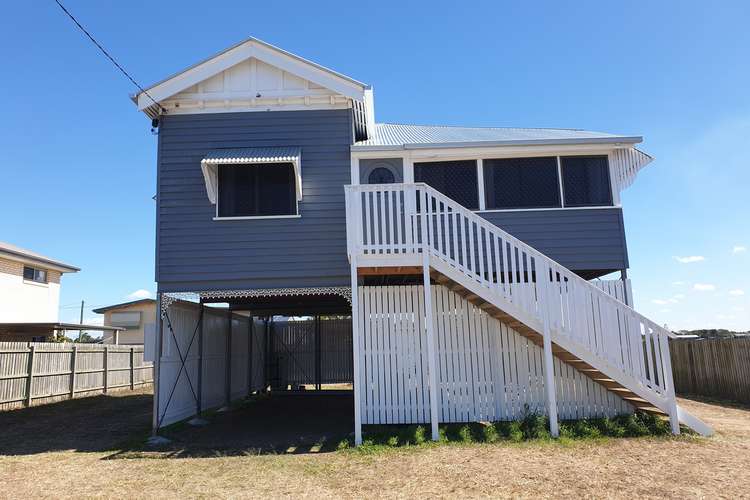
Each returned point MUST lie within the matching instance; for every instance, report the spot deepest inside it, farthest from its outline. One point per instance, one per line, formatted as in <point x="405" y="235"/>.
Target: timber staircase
<point x="407" y="227"/>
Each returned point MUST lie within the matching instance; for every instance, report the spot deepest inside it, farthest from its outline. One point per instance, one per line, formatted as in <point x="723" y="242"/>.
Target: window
<point x="586" y="181"/>
<point x="455" y="179"/>
<point x="257" y="190"/>
<point x="521" y="183"/>
<point x="33" y="274"/>
<point x="381" y="175"/>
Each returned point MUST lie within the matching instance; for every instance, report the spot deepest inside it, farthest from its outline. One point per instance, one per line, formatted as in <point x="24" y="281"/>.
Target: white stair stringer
<point x="599" y="335"/>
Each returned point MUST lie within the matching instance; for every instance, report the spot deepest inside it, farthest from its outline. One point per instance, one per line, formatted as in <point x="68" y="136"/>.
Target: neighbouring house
<point x="29" y="293"/>
<point x="133" y="317"/>
<point x="462" y="255"/>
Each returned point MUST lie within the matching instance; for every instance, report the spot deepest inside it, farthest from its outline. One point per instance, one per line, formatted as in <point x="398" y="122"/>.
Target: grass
<point x="533" y="427"/>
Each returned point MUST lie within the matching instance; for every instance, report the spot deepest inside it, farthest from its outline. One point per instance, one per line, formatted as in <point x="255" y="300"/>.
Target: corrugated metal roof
<point x="254" y="155"/>
<point x="397" y="136"/>
<point x="9" y="248"/>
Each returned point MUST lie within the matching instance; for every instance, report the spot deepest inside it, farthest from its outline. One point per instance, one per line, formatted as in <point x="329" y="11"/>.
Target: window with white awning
<point x="269" y="174"/>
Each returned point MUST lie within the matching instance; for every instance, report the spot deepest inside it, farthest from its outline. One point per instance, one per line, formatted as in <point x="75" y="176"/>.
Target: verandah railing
<point x="399" y="220"/>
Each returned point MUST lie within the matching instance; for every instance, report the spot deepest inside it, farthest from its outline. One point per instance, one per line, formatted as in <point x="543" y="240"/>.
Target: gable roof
<point x="390" y="136"/>
<point x="250" y="47"/>
<point x="102" y="310"/>
<point x="17" y="253"/>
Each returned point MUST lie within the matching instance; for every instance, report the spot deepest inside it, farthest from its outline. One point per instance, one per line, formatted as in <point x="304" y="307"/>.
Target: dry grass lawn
<point x="65" y="454"/>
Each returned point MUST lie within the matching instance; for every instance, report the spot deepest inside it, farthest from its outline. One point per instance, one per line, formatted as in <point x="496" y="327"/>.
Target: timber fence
<point x="34" y="373"/>
<point x="718" y="368"/>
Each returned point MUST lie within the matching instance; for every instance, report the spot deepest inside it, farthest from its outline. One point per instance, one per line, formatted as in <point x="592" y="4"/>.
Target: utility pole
<point x="80" y="322"/>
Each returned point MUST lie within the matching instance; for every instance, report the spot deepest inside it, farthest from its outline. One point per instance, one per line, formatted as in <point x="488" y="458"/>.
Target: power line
<point x="104" y="51"/>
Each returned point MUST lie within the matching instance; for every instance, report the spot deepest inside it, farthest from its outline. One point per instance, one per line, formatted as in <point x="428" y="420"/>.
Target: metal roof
<point x="104" y="309"/>
<point x="397" y="136"/>
<point x="254" y="155"/>
<point x="15" y="251"/>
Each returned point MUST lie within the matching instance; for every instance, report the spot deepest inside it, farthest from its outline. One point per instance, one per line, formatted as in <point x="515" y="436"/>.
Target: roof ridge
<point x="486" y="128"/>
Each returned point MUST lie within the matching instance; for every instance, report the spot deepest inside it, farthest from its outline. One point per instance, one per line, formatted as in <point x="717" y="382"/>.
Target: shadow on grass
<point x="92" y="424"/>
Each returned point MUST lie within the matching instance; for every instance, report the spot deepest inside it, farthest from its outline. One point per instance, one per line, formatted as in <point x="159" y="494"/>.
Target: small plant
<point x="465" y="435"/>
<point x="420" y="435"/>
<point x="392" y="441"/>
<point x="515" y="433"/>
<point x="490" y="434"/>
<point x="534" y="426"/>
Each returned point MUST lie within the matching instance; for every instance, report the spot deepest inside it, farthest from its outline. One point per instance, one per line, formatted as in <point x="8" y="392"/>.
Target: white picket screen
<point x="389" y="223"/>
<point x="486" y="370"/>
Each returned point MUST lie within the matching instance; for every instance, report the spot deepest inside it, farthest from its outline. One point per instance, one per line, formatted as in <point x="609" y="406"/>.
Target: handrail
<point x="396" y="219"/>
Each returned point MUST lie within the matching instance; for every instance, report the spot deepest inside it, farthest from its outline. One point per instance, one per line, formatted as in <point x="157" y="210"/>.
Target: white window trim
<point x="249" y="217"/>
<point x="254" y="217"/>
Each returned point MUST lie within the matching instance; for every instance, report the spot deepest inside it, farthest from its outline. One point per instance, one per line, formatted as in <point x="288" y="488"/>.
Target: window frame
<point x="558" y="192"/>
<point x="36" y="271"/>
<point x="436" y="163"/>
<point x="608" y="183"/>
<point x="218" y="217"/>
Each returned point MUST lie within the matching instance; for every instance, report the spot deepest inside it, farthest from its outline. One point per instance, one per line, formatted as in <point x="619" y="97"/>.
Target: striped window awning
<point x="249" y="156"/>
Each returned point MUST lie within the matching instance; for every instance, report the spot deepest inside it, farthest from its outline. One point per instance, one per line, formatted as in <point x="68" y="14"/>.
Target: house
<point x="133" y="317"/>
<point x="463" y="255"/>
<point x="29" y="293"/>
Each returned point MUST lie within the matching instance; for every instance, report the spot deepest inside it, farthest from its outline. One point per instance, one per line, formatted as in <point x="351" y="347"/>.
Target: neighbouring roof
<point x="44" y="327"/>
<point x="18" y="253"/>
<point x="104" y="309"/>
<point x="397" y="136"/>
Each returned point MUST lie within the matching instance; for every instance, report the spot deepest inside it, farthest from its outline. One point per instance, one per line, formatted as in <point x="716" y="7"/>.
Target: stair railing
<point x="399" y="220"/>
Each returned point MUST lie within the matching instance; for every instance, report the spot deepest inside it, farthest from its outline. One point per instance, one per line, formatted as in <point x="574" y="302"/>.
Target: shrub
<point x="465" y="435"/>
<point x="420" y="434"/>
<point x="490" y="434"/>
<point x="534" y="426"/>
<point x="515" y="433"/>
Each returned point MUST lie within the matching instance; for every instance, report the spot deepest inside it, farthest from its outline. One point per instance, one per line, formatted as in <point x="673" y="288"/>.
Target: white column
<point x="549" y="370"/>
<point x="431" y="355"/>
<point x="157" y="364"/>
<point x="480" y="184"/>
<point x="357" y="354"/>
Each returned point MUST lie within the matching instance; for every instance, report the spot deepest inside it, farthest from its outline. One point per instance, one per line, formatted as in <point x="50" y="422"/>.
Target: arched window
<point x="381" y="175"/>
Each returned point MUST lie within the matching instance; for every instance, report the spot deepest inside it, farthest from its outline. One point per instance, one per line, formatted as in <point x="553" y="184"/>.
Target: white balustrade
<point x="393" y="221"/>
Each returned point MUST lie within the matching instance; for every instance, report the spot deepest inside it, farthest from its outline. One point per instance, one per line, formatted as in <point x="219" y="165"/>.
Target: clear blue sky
<point x="79" y="161"/>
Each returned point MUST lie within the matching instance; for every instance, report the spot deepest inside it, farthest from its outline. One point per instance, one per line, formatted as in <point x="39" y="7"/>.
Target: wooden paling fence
<point x="34" y="373"/>
<point x="717" y="368"/>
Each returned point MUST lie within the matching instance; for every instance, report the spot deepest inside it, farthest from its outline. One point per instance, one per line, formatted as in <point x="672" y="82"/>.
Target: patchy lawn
<point x="74" y="449"/>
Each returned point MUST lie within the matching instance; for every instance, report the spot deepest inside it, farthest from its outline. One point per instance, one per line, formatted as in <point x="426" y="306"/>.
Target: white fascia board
<point x="38" y="262"/>
<point x="245" y="50"/>
<point x="486" y="152"/>
<point x="616" y="141"/>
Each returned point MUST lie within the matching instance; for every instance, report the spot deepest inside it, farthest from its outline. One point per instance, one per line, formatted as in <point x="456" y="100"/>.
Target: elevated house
<point x="464" y="256"/>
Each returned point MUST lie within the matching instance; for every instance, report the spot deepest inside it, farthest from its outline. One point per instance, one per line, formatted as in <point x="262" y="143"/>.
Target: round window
<point x="381" y="175"/>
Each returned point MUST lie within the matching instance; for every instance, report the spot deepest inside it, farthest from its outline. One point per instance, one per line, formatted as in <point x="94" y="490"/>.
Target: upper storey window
<point x="455" y="179"/>
<point x="521" y="183"/>
<point x="263" y="189"/>
<point x="34" y="274"/>
<point x="586" y="181"/>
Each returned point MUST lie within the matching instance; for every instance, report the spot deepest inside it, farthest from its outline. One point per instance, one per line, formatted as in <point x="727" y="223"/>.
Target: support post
<point x="199" y="384"/>
<point x="431" y="355"/>
<point x="228" y="371"/>
<point x="30" y="374"/>
<point x="357" y="353"/>
<point x="157" y="364"/>
<point x="73" y="368"/>
<point x="132" y="368"/>
<point x="250" y="330"/>
<point x="266" y="354"/>
<point x="318" y="383"/>
<point x="674" y="418"/>
<point x="549" y="369"/>
<point x="106" y="368"/>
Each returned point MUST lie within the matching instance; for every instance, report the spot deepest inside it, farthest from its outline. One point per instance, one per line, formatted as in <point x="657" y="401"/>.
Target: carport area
<point x="273" y="423"/>
<point x="265" y="372"/>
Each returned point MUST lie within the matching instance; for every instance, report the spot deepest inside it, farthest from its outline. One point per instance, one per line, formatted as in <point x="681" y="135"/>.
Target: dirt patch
<point x="686" y="467"/>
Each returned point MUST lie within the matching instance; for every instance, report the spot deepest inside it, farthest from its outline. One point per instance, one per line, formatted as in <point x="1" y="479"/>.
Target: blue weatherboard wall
<point x="579" y="239"/>
<point x="195" y="252"/>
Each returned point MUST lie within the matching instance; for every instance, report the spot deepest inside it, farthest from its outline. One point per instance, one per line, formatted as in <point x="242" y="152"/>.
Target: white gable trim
<point x="264" y="52"/>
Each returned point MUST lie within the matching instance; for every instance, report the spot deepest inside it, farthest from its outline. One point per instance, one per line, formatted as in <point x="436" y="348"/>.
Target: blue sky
<point x="79" y="160"/>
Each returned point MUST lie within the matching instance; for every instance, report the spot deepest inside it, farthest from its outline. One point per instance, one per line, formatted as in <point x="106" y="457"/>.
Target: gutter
<point x="480" y="144"/>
